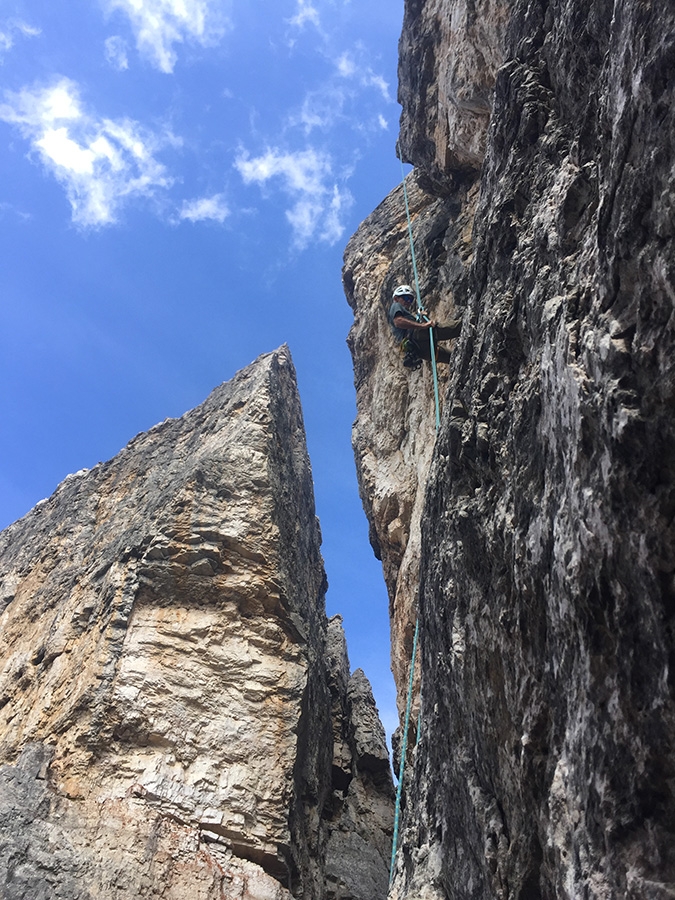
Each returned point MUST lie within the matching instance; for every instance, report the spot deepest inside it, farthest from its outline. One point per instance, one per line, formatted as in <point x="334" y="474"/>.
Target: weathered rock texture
<point x="393" y="434"/>
<point x="449" y="55"/>
<point x="360" y="813"/>
<point x="168" y="703"/>
<point x="547" y="556"/>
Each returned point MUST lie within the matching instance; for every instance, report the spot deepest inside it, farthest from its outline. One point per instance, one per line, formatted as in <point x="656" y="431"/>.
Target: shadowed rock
<point x="545" y="548"/>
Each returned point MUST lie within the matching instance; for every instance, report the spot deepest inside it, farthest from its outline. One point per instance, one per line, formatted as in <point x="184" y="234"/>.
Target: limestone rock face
<point x="394" y="433"/>
<point x="360" y="813"/>
<point x="547" y="551"/>
<point x="165" y="699"/>
<point x="449" y="55"/>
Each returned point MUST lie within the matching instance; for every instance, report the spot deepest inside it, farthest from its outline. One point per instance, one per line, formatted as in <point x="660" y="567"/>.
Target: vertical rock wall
<point x="449" y="55"/>
<point x="359" y="814"/>
<point x="393" y="435"/>
<point x="547" y="551"/>
<point x="165" y="695"/>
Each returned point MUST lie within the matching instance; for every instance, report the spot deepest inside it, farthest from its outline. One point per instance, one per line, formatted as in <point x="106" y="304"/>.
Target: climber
<point x="412" y="333"/>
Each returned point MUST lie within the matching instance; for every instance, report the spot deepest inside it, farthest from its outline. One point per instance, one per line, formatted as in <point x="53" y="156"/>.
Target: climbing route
<point x="406" y="722"/>
<point x="420" y="309"/>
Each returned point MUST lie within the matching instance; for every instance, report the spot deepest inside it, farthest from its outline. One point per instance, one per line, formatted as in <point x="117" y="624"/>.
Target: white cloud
<point x="345" y="65"/>
<point x="159" y="24"/>
<point x="116" y="52"/>
<point x="341" y="97"/>
<point x="306" y="13"/>
<point x="10" y="29"/>
<point x="348" y="67"/>
<point x="303" y="171"/>
<point x="306" y="177"/>
<point x="11" y="209"/>
<point x="332" y="223"/>
<point x="320" y="109"/>
<point x="379" y="82"/>
<point x="204" y="208"/>
<point x="305" y="217"/>
<point x="25" y="29"/>
<point x="101" y="163"/>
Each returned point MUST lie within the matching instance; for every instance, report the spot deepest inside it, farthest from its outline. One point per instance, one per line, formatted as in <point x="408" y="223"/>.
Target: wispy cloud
<point x="333" y="229"/>
<point x="306" y="13"/>
<point x="116" y="52"/>
<point x="345" y="66"/>
<point x="12" y="210"/>
<point x="10" y="30"/>
<point x="353" y="68"/>
<point x="318" y="203"/>
<point x="102" y="163"/>
<point x="160" y="24"/>
<point x="321" y="108"/>
<point x="203" y="209"/>
<point x="341" y="97"/>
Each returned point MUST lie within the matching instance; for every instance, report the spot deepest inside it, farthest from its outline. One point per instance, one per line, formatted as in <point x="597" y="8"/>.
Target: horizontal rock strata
<point x="165" y="694"/>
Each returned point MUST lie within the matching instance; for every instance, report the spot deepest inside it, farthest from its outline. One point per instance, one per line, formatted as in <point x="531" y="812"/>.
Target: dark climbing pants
<point x="445" y="332"/>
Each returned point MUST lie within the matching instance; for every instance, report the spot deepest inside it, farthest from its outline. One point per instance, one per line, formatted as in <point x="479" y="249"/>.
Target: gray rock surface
<point x="166" y="694"/>
<point x="393" y="435"/>
<point x="360" y="821"/>
<point x="546" y="553"/>
<point x="449" y="55"/>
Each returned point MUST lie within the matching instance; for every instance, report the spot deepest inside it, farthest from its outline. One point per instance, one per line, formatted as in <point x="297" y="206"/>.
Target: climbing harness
<point x="411" y="357"/>
<point x="421" y="316"/>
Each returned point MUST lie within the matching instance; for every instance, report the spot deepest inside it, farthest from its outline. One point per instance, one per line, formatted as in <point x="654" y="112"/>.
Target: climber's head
<point x="405" y="293"/>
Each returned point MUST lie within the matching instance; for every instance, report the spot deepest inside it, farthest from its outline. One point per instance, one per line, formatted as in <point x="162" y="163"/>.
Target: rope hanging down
<point x="406" y="721"/>
<point x="420" y="309"/>
<point x="404" y="747"/>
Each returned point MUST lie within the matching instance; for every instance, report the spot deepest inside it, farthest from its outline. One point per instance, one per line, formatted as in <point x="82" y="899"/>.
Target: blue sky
<point x="179" y="179"/>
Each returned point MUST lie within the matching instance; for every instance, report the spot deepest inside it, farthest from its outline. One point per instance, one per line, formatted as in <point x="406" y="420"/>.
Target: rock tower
<point x="177" y="717"/>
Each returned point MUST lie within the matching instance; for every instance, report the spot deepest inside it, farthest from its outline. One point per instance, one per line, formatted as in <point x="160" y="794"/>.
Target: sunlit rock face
<point x="546" y="549"/>
<point x="394" y="432"/>
<point x="166" y="721"/>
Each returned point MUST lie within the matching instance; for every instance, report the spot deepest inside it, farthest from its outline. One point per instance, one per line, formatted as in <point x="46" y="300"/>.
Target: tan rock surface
<point x="360" y="813"/>
<point x="394" y="431"/>
<point x="449" y="55"/>
<point x="165" y="720"/>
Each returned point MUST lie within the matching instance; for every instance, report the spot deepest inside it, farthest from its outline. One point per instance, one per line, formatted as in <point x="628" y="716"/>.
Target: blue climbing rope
<point x="406" y="722"/>
<point x="420" y="309"/>
<point x="404" y="747"/>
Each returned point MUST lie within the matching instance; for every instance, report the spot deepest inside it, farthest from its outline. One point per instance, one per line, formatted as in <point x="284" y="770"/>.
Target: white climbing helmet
<point x="404" y="290"/>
